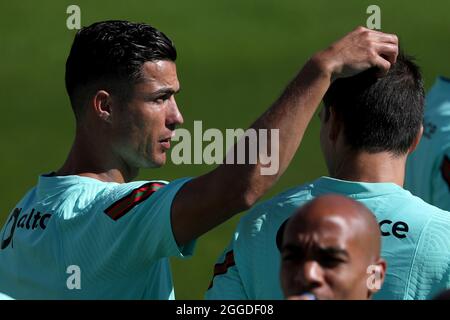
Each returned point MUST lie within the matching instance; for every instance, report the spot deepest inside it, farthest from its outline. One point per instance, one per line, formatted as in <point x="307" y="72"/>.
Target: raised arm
<point x="209" y="200"/>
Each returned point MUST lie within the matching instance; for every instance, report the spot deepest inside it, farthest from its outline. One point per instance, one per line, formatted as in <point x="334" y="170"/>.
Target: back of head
<point x="380" y="114"/>
<point x="109" y="55"/>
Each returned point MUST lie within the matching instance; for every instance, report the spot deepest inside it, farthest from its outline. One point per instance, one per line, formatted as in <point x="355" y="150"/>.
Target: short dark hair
<point x="112" y="52"/>
<point x="380" y="114"/>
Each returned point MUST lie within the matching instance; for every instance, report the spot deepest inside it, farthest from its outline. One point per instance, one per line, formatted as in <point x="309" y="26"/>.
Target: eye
<point x="331" y="262"/>
<point x="288" y="257"/>
<point x="291" y="256"/>
<point x="162" y="99"/>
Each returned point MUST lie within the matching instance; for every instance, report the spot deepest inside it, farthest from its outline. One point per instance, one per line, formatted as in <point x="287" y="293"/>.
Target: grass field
<point x="235" y="57"/>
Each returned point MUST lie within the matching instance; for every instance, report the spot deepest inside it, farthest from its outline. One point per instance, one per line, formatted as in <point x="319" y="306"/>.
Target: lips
<point x="165" y="143"/>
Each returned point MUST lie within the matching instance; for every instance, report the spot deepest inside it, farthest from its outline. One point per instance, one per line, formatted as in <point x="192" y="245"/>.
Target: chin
<point x="151" y="163"/>
<point x="158" y="162"/>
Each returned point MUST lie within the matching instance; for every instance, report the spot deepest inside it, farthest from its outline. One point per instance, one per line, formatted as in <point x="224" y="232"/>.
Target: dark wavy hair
<point x="110" y="55"/>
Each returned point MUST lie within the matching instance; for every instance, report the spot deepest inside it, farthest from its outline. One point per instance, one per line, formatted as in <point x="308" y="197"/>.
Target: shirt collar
<point x="332" y="185"/>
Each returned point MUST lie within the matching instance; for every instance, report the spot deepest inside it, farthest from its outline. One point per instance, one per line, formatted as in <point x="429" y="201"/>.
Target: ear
<point x="377" y="273"/>
<point x="416" y="140"/>
<point x="102" y="105"/>
<point x="335" y="125"/>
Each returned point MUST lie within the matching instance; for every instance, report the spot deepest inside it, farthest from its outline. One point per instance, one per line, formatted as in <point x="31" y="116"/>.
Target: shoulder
<point x="116" y="191"/>
<point x="435" y="222"/>
<point x="420" y="208"/>
<point x="271" y="213"/>
<point x="88" y="195"/>
<point x="122" y="198"/>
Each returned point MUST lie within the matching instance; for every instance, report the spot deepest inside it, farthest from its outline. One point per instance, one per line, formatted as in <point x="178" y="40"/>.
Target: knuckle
<point x="367" y="33"/>
<point x="372" y="53"/>
<point x="360" y="29"/>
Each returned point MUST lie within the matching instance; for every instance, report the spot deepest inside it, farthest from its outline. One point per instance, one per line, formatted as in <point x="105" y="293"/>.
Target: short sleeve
<point x="129" y="228"/>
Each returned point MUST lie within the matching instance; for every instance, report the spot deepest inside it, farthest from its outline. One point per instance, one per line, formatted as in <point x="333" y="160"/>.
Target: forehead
<point x="159" y="74"/>
<point x="333" y="230"/>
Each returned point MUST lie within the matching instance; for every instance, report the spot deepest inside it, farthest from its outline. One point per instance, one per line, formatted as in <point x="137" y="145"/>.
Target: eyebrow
<point x="322" y="250"/>
<point x="334" y="251"/>
<point x="165" y="91"/>
<point x="291" y="247"/>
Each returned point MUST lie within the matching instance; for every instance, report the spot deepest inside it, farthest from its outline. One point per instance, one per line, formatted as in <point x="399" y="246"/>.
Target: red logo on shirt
<point x="221" y="268"/>
<point x="119" y="208"/>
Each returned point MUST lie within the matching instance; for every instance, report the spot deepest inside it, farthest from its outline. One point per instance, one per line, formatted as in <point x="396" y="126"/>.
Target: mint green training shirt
<point x="415" y="242"/>
<point x="73" y="237"/>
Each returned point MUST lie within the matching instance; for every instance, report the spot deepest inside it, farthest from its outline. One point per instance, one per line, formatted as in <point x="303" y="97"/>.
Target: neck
<point x="91" y="157"/>
<point x="366" y="167"/>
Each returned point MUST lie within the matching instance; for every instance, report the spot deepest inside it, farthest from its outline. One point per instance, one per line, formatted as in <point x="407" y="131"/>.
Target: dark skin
<point x="115" y="139"/>
<point x="327" y="246"/>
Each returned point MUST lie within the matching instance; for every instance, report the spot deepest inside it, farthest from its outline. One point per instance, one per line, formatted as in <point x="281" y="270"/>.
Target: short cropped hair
<point x="380" y="114"/>
<point x="111" y="53"/>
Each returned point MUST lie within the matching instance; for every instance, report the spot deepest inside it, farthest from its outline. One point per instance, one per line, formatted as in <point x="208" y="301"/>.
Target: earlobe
<point x="376" y="277"/>
<point x="416" y="140"/>
<point x="102" y="105"/>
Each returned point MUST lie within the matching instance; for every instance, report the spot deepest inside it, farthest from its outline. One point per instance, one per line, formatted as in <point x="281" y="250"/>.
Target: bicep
<point x="203" y="203"/>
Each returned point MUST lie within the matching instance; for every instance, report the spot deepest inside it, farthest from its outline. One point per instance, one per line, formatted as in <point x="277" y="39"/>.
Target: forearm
<point x="290" y="115"/>
<point x="232" y="188"/>
<point x="207" y="201"/>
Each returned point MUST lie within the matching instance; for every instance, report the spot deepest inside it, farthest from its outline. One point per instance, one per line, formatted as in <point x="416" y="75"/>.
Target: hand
<point x="359" y="50"/>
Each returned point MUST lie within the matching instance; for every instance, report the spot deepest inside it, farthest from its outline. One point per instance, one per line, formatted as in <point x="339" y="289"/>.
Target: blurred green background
<point x="235" y="57"/>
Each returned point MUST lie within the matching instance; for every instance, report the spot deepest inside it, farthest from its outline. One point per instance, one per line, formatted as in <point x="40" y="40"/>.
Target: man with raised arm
<point x="87" y="231"/>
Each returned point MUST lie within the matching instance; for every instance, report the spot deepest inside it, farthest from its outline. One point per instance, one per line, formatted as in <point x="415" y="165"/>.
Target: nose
<point x="174" y="116"/>
<point x="309" y="276"/>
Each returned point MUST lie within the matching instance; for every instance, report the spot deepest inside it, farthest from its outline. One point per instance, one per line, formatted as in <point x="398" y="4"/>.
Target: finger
<point x="379" y="35"/>
<point x="383" y="37"/>
<point x="382" y="65"/>
<point x="388" y="51"/>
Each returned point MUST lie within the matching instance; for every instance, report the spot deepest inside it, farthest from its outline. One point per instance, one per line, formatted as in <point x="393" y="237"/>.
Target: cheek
<point x="287" y="278"/>
<point x="285" y="275"/>
<point x="349" y="284"/>
<point x="146" y="124"/>
<point x="339" y="280"/>
<point x="153" y="119"/>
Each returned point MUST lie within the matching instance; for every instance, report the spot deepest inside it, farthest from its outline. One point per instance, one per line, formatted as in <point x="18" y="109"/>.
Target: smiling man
<point x="330" y="248"/>
<point x="117" y="234"/>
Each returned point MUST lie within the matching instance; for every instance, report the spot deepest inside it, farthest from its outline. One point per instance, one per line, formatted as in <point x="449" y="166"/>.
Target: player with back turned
<point x="369" y="126"/>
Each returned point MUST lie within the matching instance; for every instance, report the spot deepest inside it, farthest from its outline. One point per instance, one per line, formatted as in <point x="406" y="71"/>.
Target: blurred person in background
<point x="428" y="167"/>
